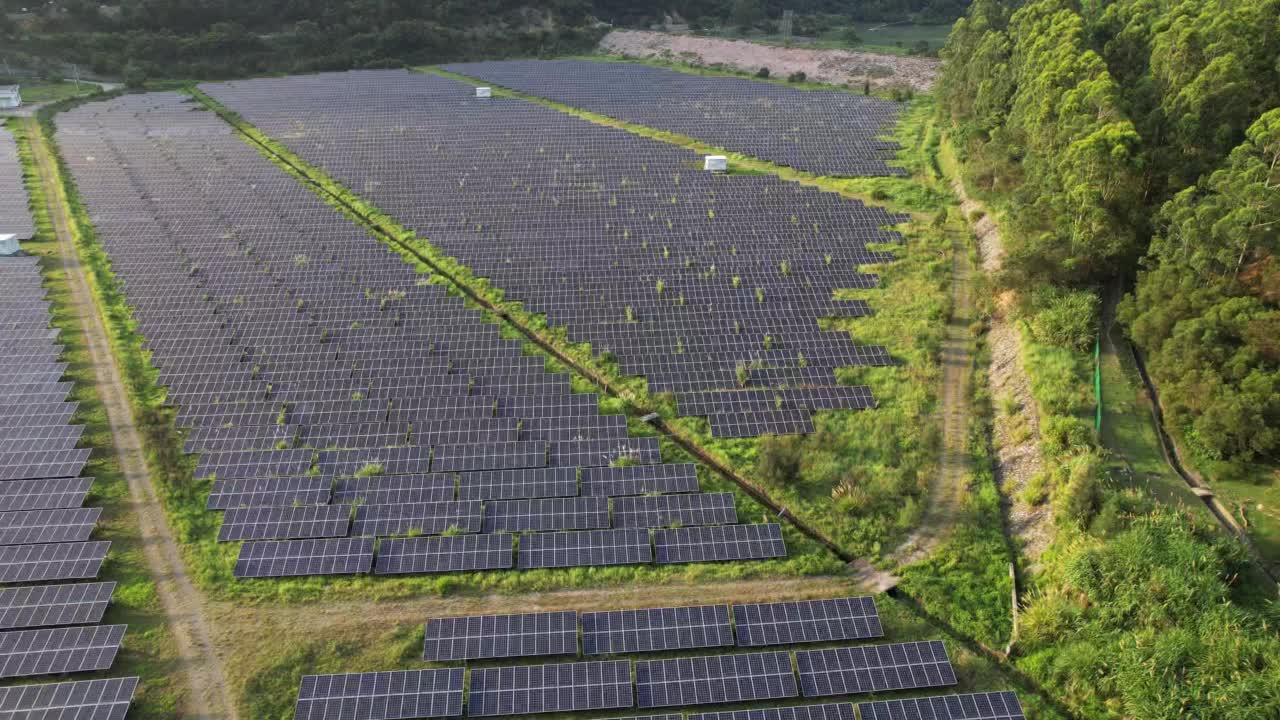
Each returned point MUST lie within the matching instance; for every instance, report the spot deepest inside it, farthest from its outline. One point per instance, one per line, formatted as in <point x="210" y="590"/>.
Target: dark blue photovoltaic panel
<point x="327" y="556"/>
<point x="106" y="699"/>
<point x="568" y="687"/>
<point x="714" y="679"/>
<point x="785" y="623"/>
<point x="721" y="542"/>
<point x="829" y="711"/>
<point x="583" y="548"/>
<point x="394" y="695"/>
<point x="673" y="628"/>
<point x="450" y="553"/>
<point x="975" y="706"/>
<point x="496" y="636"/>
<point x="874" y="668"/>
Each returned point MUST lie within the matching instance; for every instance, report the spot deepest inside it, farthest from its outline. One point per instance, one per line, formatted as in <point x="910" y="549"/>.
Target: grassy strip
<point x="966" y="579"/>
<point x="148" y="650"/>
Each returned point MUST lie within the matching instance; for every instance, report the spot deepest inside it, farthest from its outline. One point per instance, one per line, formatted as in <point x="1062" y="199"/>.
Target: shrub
<point x="762" y="72"/>
<point x="1062" y="433"/>
<point x="1062" y="317"/>
<point x="780" y="459"/>
<point x="797" y="77"/>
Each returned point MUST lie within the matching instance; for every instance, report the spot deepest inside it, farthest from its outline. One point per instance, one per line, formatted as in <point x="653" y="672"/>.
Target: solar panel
<point x="268" y="492"/>
<point x="450" y="553"/>
<point x="29" y="527"/>
<point x="575" y="513"/>
<point x="79" y="700"/>
<point x="784" y="623"/>
<point x="588" y="547"/>
<point x="827" y="711"/>
<point x="59" y="650"/>
<point x="332" y="556"/>
<point x="496" y="636"/>
<point x="722" y="542"/>
<point x="655" y="511"/>
<point x="639" y="479"/>
<point x="46" y="605"/>
<point x="493" y="456"/>
<point x="286" y="523"/>
<point x="874" y="668"/>
<point x="43" y="494"/>
<point x="567" y="687"/>
<point x="394" y="695"/>
<point x="430" y="518"/>
<point x="518" y="484"/>
<point x="975" y="706"/>
<point x="652" y="629"/>
<point x="58" y="561"/>
<point x="394" y="489"/>
<point x="683" y="682"/>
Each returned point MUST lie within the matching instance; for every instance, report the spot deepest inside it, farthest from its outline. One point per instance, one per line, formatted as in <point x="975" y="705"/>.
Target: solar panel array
<point x="15" y="214"/>
<point x="711" y="287"/>
<point x="974" y="706"/>
<point x="335" y="395"/>
<point x="826" y="132"/>
<point x="679" y="682"/>
<point x="45" y="533"/>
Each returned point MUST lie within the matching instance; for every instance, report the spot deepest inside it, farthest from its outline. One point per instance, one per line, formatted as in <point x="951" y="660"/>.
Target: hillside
<point x="191" y="38"/>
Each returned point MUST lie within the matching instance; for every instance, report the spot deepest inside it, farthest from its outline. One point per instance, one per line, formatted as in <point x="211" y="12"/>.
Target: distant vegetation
<point x="141" y="39"/>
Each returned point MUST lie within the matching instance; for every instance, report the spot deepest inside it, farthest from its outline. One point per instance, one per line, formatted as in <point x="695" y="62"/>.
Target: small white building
<point x="9" y="245"/>
<point x="484" y="92"/>
<point x="10" y="97"/>
<point x="715" y="163"/>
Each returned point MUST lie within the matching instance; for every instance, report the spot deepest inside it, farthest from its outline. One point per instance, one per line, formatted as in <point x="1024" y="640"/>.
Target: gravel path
<point x="837" y="67"/>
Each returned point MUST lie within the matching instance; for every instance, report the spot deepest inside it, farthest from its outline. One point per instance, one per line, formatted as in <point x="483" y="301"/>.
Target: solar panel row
<point x="489" y="551"/>
<point x="651" y="629"/>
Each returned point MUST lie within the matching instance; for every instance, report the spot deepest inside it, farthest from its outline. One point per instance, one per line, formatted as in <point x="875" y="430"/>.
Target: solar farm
<point x="51" y="606"/>
<point x="355" y="425"/>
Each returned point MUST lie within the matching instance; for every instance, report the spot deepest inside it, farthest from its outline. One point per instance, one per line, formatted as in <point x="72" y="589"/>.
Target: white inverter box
<point x="715" y="163"/>
<point x="484" y="92"/>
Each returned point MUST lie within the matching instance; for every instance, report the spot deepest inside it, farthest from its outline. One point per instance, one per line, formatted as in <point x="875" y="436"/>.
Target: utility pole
<point x="75" y="71"/>
<point x="785" y="26"/>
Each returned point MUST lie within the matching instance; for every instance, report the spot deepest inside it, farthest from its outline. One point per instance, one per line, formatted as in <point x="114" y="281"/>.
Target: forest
<point x="1137" y="142"/>
<point x="1131" y="150"/>
<point x="206" y="39"/>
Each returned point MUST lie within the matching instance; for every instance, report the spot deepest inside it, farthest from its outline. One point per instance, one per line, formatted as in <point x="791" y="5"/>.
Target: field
<point x="368" y="389"/>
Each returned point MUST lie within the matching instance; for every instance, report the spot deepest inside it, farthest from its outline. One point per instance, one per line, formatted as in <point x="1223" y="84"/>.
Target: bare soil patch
<point x="836" y="67"/>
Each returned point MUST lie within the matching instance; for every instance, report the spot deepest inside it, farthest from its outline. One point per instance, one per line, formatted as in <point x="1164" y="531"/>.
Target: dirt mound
<point x="838" y="67"/>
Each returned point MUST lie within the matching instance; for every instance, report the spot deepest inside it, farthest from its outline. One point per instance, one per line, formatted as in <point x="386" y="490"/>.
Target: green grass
<point x="148" y="649"/>
<point x="55" y="91"/>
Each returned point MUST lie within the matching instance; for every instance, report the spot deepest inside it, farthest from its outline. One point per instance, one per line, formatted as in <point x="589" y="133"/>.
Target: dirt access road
<point x="184" y="606"/>
<point x="837" y="67"/>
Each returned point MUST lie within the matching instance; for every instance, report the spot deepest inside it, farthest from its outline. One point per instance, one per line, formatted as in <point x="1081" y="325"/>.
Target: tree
<point x="747" y="13"/>
<point x="135" y="76"/>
